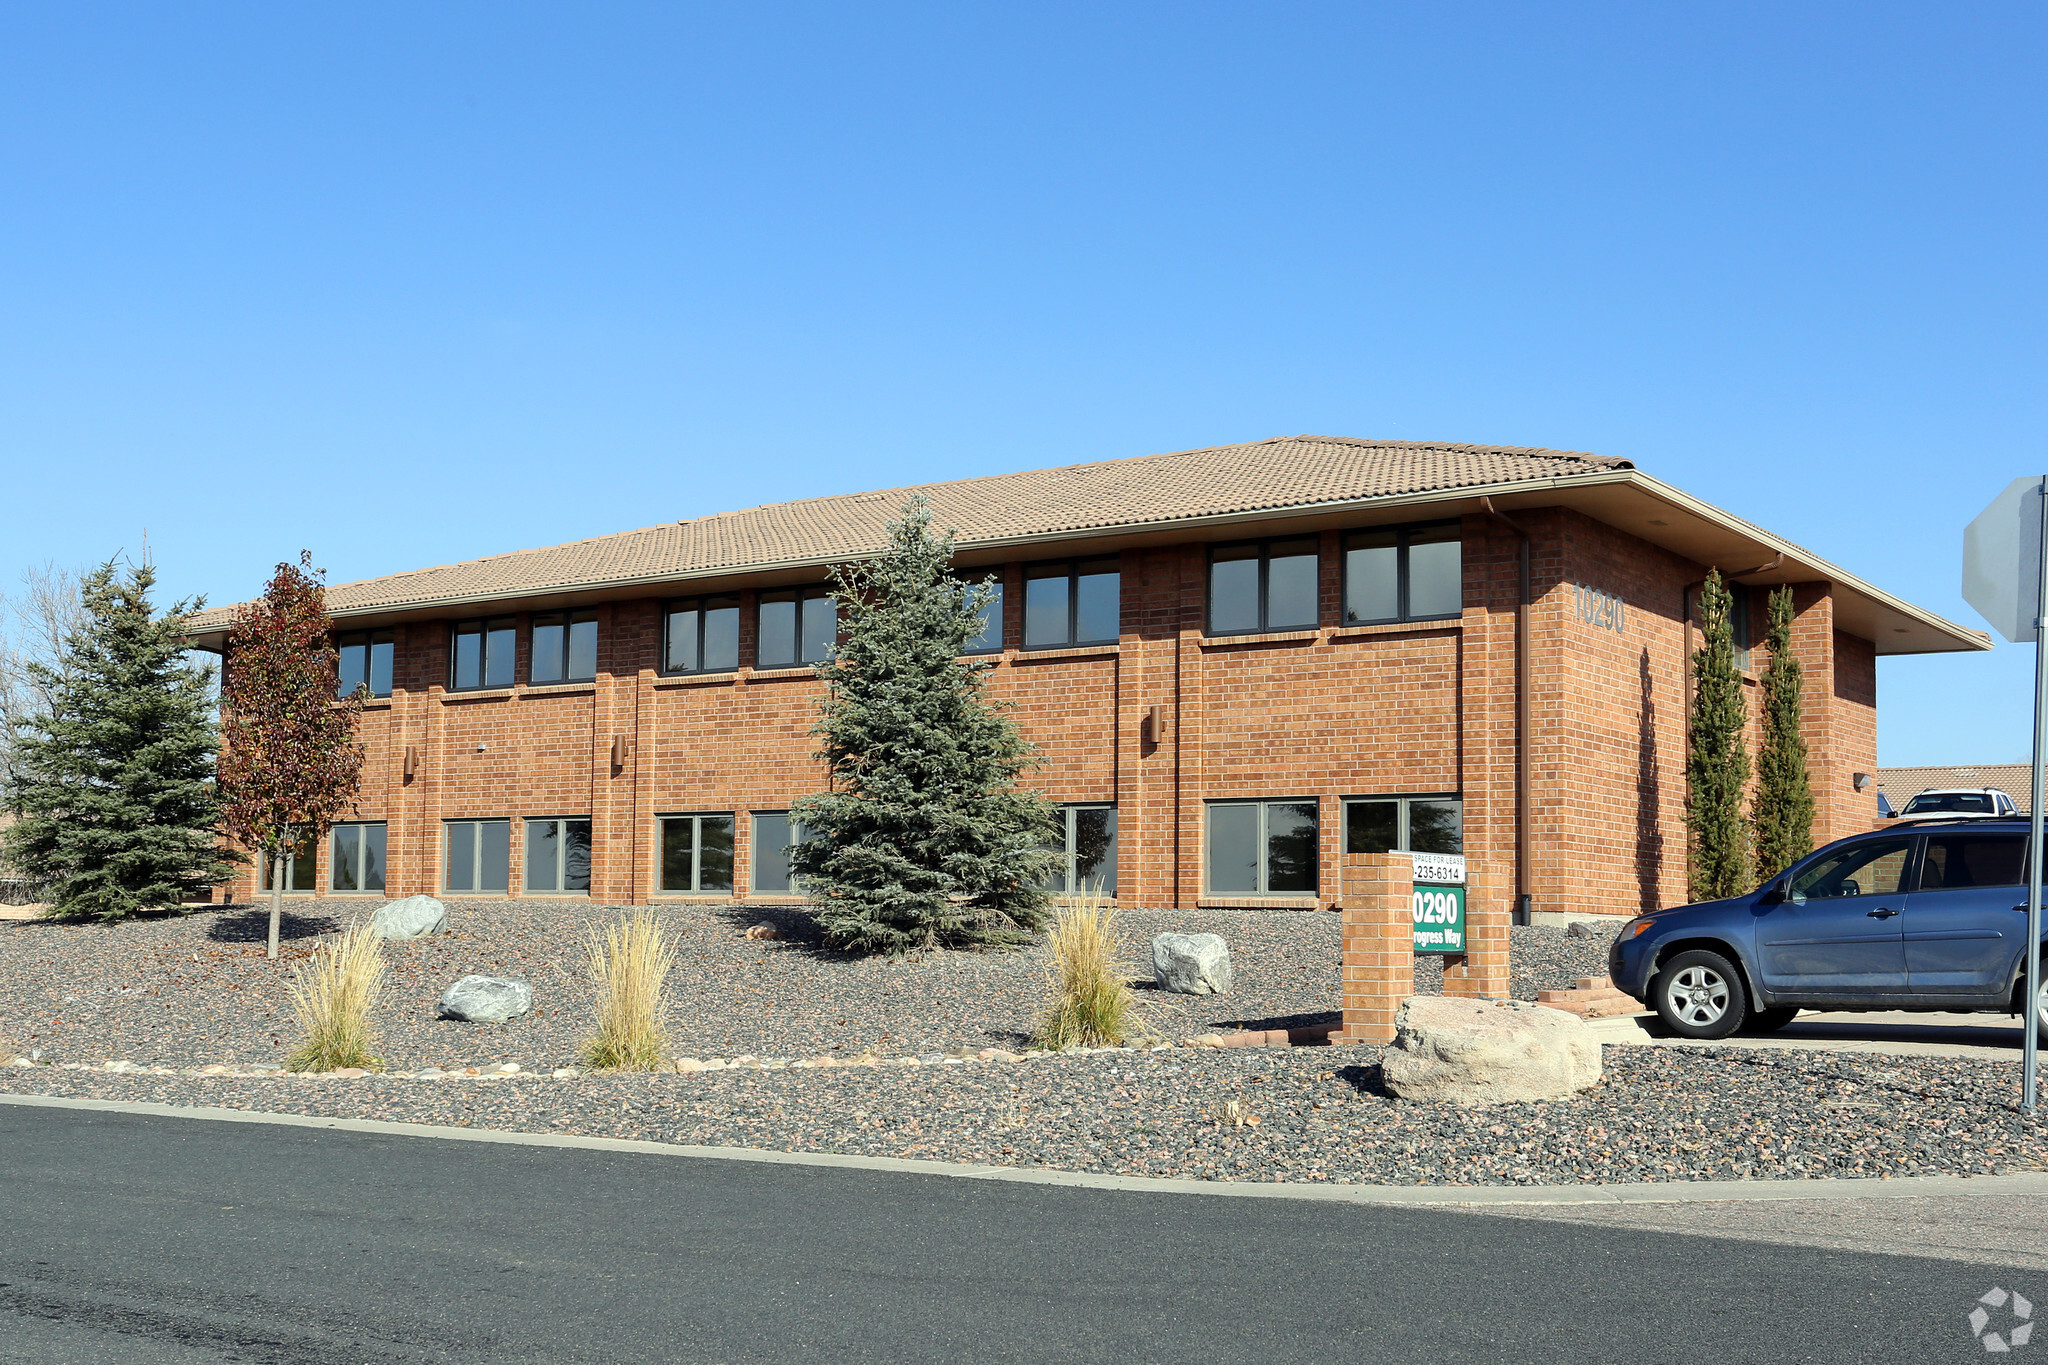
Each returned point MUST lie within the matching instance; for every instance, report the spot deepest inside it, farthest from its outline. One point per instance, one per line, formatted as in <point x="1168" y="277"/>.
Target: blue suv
<point x="1921" y="915"/>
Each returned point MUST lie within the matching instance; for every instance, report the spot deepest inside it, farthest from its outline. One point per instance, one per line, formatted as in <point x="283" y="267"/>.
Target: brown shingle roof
<point x="1288" y="471"/>
<point x="1901" y="785"/>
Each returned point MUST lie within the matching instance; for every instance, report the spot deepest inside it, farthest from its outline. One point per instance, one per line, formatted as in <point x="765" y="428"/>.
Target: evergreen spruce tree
<point x="113" y="780"/>
<point x="1782" y="814"/>
<point x="1717" y="758"/>
<point x="925" y="840"/>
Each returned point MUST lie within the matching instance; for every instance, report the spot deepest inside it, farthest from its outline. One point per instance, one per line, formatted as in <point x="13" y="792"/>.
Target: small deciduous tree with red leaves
<point x="290" y="760"/>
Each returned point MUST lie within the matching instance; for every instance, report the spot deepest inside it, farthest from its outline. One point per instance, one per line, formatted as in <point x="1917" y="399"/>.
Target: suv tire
<point x="1770" y="1020"/>
<point x="1699" y="994"/>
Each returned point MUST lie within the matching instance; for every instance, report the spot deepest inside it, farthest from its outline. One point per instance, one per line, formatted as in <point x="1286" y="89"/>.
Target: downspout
<point x="1522" y="895"/>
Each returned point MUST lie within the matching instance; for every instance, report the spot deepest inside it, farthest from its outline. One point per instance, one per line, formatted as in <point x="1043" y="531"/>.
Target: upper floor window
<point x="1403" y="573"/>
<point x="482" y="656"/>
<point x="991" y="637"/>
<point x="798" y="626"/>
<point x="564" y="647"/>
<point x="703" y="636"/>
<point x="1262" y="586"/>
<point x="365" y="662"/>
<point x="1071" y="604"/>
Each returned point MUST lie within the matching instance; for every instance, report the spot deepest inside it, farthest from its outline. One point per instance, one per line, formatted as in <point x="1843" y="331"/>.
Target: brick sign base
<point x="1379" y="943"/>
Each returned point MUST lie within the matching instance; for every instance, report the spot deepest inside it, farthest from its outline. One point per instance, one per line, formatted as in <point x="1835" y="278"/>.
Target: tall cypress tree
<point x="1717" y="760"/>
<point x="114" y="780"/>
<point x="925" y="840"/>
<point x="1782" y="815"/>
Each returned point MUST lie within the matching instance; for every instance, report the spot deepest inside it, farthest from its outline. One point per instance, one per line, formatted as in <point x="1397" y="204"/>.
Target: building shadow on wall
<point x="1649" y="797"/>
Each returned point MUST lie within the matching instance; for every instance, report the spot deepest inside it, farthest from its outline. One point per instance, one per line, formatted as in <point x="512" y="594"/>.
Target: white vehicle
<point x="1961" y="801"/>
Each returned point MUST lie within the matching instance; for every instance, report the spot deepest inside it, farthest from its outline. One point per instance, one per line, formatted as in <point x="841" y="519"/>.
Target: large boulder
<point x="413" y="917"/>
<point x="486" y="1000"/>
<point x="1487" y="1051"/>
<point x="1191" y="964"/>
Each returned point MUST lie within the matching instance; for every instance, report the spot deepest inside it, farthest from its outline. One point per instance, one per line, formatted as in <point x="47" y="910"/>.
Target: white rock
<point x="1487" y="1051"/>
<point x="413" y="917"/>
<point x="486" y="1000"/>
<point x="1191" y="964"/>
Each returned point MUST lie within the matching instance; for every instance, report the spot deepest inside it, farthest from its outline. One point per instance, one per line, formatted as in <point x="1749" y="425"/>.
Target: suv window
<point x="1962" y="803"/>
<point x="1874" y="868"/>
<point x="1954" y="860"/>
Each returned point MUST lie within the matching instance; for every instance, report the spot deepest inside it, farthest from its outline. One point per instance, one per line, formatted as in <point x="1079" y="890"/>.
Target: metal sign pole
<point x="2031" y="1014"/>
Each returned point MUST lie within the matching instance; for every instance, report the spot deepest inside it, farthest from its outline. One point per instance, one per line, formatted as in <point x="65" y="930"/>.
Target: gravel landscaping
<point x="189" y="991"/>
<point x="196" y="989"/>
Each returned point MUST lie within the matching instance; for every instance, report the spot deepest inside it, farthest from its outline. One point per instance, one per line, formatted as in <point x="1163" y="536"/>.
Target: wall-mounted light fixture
<point x="412" y="762"/>
<point x="618" y="752"/>
<point x="1861" y="780"/>
<point x="1153" y="727"/>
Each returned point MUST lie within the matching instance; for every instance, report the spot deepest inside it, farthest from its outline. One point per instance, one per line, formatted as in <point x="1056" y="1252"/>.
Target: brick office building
<point x="1236" y="663"/>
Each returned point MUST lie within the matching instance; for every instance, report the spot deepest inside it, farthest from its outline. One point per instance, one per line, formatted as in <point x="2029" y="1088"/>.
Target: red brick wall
<point x="1321" y="714"/>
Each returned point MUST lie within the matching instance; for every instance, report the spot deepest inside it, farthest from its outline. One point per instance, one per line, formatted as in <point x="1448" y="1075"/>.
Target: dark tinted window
<point x="1963" y="803"/>
<point x="1954" y="860"/>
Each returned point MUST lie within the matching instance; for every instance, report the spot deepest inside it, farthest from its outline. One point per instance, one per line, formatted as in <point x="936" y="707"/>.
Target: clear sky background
<point x="412" y="284"/>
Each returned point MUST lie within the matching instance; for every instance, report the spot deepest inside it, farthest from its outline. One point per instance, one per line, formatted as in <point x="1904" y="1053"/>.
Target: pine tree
<point x="1717" y="759"/>
<point x="113" y="778"/>
<point x="290" y="760"/>
<point x="1782" y="813"/>
<point x="925" y="840"/>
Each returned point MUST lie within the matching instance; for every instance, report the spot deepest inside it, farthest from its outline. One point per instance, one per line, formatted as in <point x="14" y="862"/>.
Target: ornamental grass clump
<point x="1092" y="1002"/>
<point x="334" y="995"/>
<point x="629" y="963"/>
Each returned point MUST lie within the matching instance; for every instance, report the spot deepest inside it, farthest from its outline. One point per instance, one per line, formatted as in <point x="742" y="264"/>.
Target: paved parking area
<point x="1899" y="1033"/>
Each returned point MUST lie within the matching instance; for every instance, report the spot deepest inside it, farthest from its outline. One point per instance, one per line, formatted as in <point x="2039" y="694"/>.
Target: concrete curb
<point x="1674" y="1192"/>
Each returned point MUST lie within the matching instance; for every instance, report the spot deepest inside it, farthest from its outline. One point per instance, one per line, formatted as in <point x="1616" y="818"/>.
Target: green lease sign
<point x="1439" y="919"/>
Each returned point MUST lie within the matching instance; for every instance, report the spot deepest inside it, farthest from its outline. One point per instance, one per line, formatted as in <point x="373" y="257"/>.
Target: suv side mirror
<point x="1779" y="892"/>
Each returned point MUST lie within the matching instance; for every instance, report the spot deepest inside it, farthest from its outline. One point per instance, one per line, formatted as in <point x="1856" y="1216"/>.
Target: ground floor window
<point x="355" y="860"/>
<point x="1262" y="848"/>
<point x="774" y="836"/>
<point x="558" y="855"/>
<point x="1404" y="824"/>
<point x="1087" y="849"/>
<point x="696" y="853"/>
<point x="479" y="855"/>
<point x="301" y="863"/>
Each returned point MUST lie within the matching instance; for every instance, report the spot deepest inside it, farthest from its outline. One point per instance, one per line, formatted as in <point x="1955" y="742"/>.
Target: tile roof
<point x="1287" y="471"/>
<point x="1901" y="785"/>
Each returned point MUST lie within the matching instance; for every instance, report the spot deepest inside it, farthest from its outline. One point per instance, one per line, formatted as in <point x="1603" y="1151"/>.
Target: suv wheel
<point x="1699" y="994"/>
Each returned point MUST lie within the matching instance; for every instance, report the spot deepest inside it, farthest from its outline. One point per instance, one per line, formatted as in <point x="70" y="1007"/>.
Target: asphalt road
<point x="127" y="1238"/>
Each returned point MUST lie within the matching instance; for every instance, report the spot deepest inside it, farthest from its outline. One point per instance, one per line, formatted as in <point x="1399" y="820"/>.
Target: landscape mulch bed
<point x="194" y="990"/>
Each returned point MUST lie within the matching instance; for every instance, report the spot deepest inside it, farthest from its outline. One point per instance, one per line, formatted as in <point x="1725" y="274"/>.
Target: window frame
<point x="568" y="620"/>
<point x="477" y="856"/>
<point x="1403" y="818"/>
<point x="1073" y="575"/>
<point x="308" y="844"/>
<point x="561" y="824"/>
<point x="367" y="641"/>
<point x="672" y="608"/>
<point x="1069" y="815"/>
<point x="1263" y="805"/>
<point x="696" y="819"/>
<point x="801" y="596"/>
<point x="1265" y="546"/>
<point x="334" y="861"/>
<point x="997" y="602"/>
<point x="485" y="628"/>
<point x="1403" y="579"/>
<point x="796" y="836"/>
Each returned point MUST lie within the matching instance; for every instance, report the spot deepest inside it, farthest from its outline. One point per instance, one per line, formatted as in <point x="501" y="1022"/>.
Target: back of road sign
<point x="2002" y="560"/>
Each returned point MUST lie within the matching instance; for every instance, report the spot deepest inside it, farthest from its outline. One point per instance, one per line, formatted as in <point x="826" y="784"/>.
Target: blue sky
<point x="410" y="284"/>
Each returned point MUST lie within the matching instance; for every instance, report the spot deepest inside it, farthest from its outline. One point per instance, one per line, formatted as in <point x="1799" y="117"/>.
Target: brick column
<point x="1481" y="971"/>
<point x="1379" y="944"/>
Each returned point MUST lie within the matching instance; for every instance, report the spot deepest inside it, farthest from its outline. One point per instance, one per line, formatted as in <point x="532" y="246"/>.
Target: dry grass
<point x="334" y="995"/>
<point x="629" y="963"/>
<point x="7" y="1052"/>
<point x="1092" y="1002"/>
